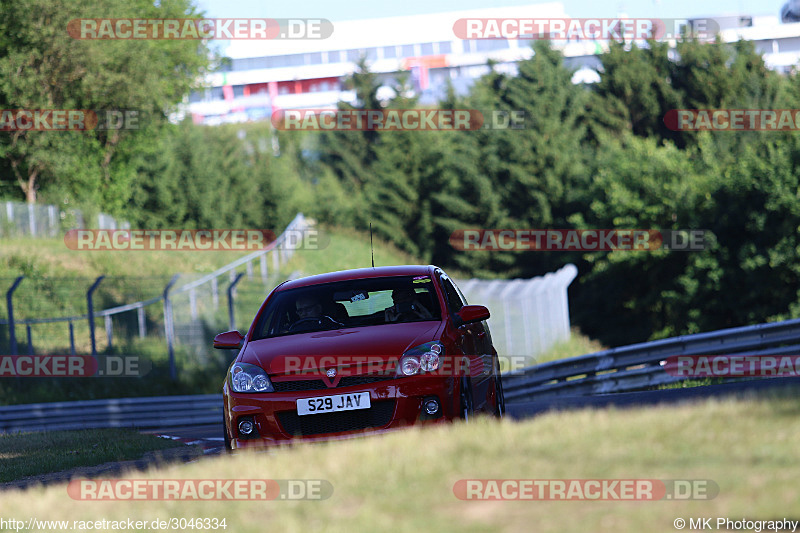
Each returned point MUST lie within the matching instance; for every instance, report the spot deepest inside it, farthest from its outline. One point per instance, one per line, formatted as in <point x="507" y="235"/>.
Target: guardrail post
<point x="12" y="335"/>
<point x="142" y="323"/>
<point x="90" y="307"/>
<point x="232" y="286"/>
<point x="193" y="303"/>
<point x="264" y="272"/>
<point x="109" y="332"/>
<point x="31" y="220"/>
<point x="30" y="339"/>
<point x="51" y="212"/>
<point x="71" y="338"/>
<point x="169" y="327"/>
<point x="215" y="293"/>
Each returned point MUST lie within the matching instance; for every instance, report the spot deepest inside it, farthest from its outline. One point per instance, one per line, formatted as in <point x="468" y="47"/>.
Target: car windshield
<point x="348" y="304"/>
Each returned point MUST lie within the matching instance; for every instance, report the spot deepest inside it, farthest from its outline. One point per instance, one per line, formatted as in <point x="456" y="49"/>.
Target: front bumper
<point x="395" y="404"/>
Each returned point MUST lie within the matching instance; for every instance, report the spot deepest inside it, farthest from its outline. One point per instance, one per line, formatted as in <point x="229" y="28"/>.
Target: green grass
<point x="404" y="481"/>
<point x="344" y="249"/>
<point x="32" y="454"/>
<point x="689" y="383"/>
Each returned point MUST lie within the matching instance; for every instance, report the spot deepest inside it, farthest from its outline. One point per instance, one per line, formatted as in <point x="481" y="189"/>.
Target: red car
<point x="357" y="352"/>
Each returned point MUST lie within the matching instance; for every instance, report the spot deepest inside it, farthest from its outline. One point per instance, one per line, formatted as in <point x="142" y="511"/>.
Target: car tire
<point x="467" y="406"/>
<point x="225" y="436"/>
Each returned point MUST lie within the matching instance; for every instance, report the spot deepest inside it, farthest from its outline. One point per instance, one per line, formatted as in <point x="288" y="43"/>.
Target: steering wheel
<point x="318" y="320"/>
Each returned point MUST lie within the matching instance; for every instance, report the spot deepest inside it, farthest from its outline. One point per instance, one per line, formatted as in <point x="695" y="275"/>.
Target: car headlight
<point x="249" y="378"/>
<point x="423" y="358"/>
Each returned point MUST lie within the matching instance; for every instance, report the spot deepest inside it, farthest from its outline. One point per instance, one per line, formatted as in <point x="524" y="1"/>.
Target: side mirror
<point x="472" y="313"/>
<point x="229" y="340"/>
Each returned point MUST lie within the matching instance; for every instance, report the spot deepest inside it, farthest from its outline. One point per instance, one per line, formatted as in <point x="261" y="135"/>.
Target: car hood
<point x="341" y="348"/>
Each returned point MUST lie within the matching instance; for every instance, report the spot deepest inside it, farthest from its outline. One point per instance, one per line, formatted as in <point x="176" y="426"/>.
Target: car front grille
<point x="319" y="384"/>
<point x="379" y="415"/>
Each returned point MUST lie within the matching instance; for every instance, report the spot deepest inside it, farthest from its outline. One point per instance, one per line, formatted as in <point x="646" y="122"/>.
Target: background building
<point x="288" y="74"/>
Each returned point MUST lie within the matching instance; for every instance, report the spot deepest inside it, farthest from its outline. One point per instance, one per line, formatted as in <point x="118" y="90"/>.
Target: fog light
<point x="431" y="406"/>
<point x="246" y="426"/>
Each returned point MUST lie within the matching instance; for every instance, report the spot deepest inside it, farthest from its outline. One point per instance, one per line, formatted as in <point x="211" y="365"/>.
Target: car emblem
<point x="331" y="372"/>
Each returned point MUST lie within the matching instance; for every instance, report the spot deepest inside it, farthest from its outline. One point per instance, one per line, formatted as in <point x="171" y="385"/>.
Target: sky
<point x="361" y="9"/>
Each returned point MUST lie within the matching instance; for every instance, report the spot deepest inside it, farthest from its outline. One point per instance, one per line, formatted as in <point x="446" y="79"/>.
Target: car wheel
<point x="466" y="399"/>
<point x="500" y="408"/>
<point x="225" y="436"/>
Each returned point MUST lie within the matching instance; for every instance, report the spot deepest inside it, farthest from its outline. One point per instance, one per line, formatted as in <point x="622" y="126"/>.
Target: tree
<point x="635" y="91"/>
<point x="43" y="67"/>
<point x="538" y="171"/>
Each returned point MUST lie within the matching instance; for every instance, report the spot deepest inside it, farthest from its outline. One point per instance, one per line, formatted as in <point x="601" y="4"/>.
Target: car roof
<point x="360" y="273"/>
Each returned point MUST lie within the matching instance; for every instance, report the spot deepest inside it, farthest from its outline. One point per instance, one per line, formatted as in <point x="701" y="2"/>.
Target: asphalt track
<point x="519" y="410"/>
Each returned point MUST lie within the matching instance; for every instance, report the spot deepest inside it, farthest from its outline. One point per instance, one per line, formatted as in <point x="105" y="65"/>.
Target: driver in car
<point x="308" y="307"/>
<point x="406" y="306"/>
<point x="310" y="314"/>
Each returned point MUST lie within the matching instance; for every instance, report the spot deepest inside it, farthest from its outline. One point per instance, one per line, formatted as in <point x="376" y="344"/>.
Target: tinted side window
<point x="454" y="300"/>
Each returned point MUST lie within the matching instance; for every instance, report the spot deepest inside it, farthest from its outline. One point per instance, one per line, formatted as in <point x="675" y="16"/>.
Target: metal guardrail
<point x="638" y="366"/>
<point x="139" y="413"/>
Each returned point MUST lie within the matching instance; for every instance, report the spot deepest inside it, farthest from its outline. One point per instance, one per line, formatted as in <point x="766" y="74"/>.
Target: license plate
<point x="331" y="404"/>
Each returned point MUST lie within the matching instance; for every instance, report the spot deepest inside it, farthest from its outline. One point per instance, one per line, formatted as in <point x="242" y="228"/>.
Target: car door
<point x="474" y="343"/>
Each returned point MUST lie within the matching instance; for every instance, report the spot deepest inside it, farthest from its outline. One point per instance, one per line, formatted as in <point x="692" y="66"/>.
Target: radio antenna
<point x="371" y="251"/>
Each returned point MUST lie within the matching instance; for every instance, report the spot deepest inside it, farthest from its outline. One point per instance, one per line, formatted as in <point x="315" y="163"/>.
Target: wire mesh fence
<point x="18" y="219"/>
<point x="529" y="316"/>
<point x="46" y="315"/>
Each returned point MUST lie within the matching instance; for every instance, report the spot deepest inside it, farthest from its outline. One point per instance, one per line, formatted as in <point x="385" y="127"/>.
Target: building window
<point x="408" y="50"/>
<point x="426" y="49"/>
<point x="295" y="60"/>
<point x="314" y="58"/>
<point x="353" y="55"/>
<point x="487" y="45"/>
<point x="389" y="52"/>
<point x="445" y="47"/>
